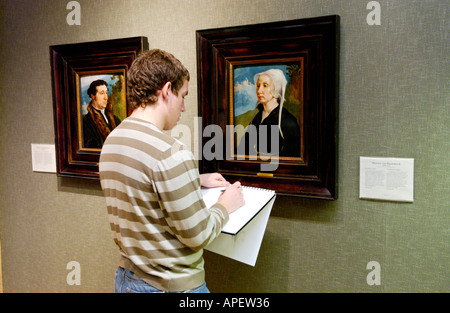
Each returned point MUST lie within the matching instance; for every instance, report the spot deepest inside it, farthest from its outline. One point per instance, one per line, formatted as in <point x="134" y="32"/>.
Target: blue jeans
<point x="126" y="282"/>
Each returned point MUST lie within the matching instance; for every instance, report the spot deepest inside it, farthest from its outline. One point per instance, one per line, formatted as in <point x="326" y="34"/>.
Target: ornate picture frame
<point x="76" y="71"/>
<point x="300" y="60"/>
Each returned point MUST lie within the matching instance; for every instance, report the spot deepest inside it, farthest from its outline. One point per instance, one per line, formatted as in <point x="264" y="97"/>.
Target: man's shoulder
<point x="148" y="135"/>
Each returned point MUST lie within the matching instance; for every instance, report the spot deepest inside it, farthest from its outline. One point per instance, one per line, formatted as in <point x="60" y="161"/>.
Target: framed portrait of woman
<point x="267" y="94"/>
<point x="272" y="89"/>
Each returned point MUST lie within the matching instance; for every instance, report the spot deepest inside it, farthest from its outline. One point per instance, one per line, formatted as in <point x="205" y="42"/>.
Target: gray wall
<point x="394" y="102"/>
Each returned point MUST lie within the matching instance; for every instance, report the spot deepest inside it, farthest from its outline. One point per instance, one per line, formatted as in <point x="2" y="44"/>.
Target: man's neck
<point x="94" y="105"/>
<point x="151" y="113"/>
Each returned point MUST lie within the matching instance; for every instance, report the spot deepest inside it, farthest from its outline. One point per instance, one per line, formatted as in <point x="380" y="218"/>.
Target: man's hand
<point x="232" y="197"/>
<point x="213" y="180"/>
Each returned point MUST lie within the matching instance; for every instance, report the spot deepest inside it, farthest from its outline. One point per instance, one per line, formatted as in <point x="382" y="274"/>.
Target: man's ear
<point x="165" y="90"/>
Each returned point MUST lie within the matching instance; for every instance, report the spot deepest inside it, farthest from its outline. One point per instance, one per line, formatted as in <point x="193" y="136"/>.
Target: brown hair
<point x="148" y="74"/>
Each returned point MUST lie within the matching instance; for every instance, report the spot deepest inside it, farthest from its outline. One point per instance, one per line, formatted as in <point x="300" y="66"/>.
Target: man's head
<point x="148" y="74"/>
<point x="98" y="91"/>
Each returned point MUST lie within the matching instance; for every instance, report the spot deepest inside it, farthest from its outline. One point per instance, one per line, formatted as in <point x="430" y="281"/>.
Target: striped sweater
<point x="155" y="208"/>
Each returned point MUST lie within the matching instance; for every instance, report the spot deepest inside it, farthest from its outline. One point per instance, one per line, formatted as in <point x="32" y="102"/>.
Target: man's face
<point x="176" y="106"/>
<point x="100" y="99"/>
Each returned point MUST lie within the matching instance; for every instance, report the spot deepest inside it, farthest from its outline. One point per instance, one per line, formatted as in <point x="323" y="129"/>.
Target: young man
<point x="152" y="186"/>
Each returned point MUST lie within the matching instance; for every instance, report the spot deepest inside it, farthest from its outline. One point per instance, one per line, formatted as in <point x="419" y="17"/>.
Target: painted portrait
<point x="267" y="109"/>
<point x="102" y="106"/>
<point x="272" y="89"/>
<point x="80" y="129"/>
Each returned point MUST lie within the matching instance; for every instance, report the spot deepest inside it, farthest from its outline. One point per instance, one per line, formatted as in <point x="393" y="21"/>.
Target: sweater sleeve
<point x="177" y="184"/>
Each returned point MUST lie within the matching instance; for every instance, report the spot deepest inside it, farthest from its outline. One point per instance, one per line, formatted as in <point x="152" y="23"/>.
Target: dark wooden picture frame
<point x="69" y="64"/>
<point x="311" y="47"/>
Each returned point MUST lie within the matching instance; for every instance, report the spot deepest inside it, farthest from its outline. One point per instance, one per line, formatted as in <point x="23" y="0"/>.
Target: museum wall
<point x="394" y="102"/>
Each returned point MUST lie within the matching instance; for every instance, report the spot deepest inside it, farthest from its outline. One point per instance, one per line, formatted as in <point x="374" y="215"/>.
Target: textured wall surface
<point x="394" y="102"/>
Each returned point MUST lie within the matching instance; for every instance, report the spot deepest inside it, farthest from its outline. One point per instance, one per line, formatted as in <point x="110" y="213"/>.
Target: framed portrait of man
<point x="89" y="99"/>
<point x="101" y="107"/>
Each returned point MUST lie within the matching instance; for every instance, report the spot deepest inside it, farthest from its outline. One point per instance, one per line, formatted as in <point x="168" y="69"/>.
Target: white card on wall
<point x="390" y="179"/>
<point x="43" y="158"/>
